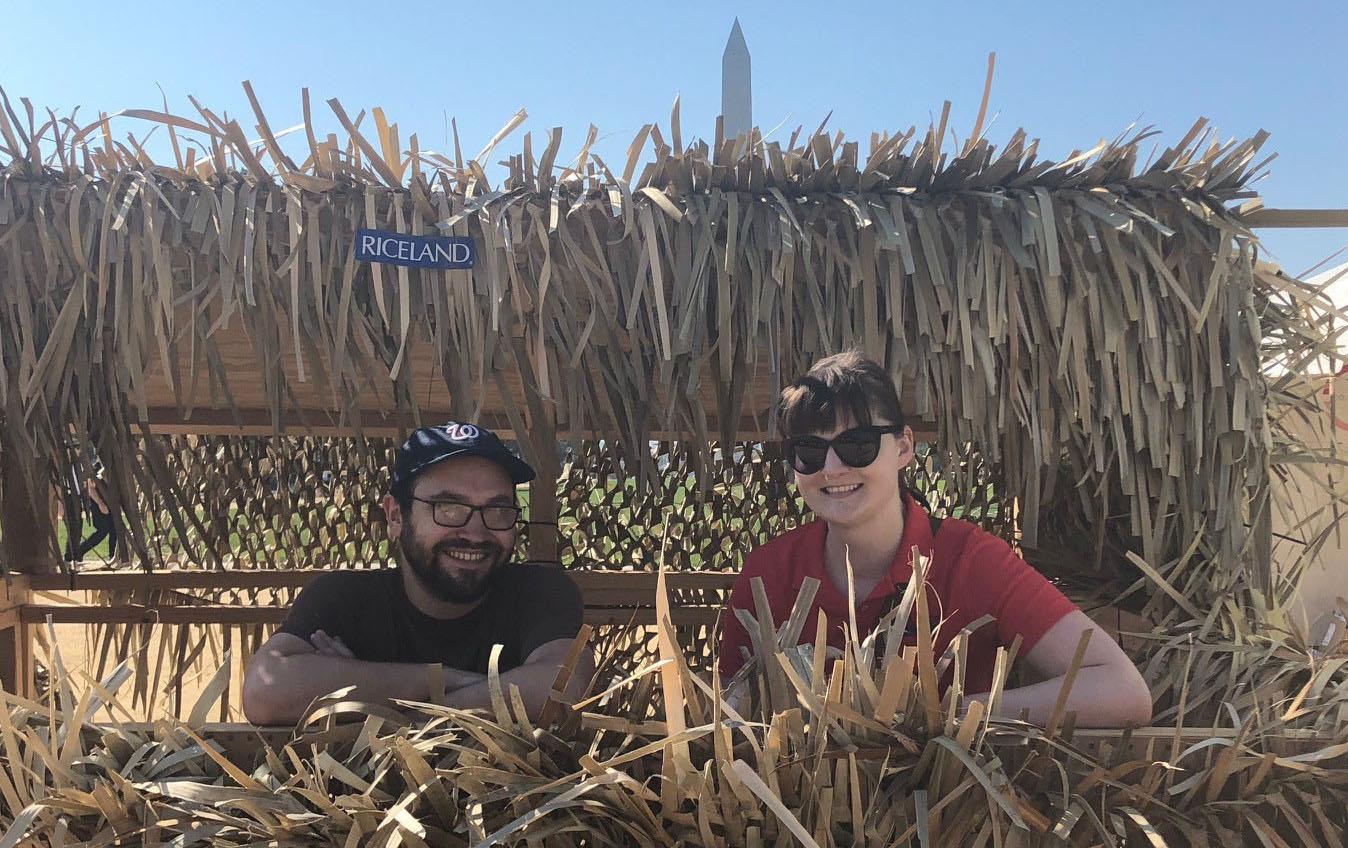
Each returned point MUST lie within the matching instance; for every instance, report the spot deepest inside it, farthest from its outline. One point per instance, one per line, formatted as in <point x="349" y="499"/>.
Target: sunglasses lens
<point x="806" y="455"/>
<point x="857" y="448"/>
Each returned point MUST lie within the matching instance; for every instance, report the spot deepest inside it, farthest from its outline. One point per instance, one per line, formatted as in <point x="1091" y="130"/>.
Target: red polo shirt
<point x="972" y="573"/>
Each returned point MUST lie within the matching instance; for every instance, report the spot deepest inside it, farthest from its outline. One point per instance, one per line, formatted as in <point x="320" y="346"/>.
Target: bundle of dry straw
<point x="858" y="747"/>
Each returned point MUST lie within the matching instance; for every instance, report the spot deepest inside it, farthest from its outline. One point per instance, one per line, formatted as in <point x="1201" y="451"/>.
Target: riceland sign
<point x="446" y="252"/>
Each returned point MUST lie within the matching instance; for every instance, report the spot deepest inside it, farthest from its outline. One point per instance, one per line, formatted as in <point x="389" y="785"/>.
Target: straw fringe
<point x="1086" y="324"/>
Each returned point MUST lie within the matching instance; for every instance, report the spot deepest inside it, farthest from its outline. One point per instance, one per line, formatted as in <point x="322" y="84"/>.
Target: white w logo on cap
<point x="462" y="432"/>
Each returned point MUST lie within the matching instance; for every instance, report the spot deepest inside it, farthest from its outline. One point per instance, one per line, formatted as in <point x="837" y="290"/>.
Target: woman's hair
<point x="845" y="385"/>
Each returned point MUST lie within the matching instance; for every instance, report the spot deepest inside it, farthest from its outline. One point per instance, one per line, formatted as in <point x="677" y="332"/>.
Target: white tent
<point x="1305" y="511"/>
<point x="1335" y="284"/>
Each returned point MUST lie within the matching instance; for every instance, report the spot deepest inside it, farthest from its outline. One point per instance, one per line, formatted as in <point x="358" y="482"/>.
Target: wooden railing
<point x="29" y="601"/>
<point x="611" y="597"/>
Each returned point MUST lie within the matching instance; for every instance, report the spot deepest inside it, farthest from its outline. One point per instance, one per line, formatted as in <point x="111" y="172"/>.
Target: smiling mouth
<point x="841" y="490"/>
<point x="462" y="557"/>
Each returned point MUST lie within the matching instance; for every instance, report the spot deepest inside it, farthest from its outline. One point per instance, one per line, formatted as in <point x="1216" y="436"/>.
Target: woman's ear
<point x="907" y="447"/>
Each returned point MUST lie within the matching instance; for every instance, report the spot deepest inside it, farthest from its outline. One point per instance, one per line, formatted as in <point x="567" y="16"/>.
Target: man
<point x="391" y="633"/>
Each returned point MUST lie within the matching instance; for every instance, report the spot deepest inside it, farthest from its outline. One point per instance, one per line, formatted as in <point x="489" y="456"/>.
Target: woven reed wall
<point x="313" y="502"/>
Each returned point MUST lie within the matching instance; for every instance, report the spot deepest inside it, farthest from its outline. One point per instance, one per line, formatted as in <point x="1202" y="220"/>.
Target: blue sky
<point x="1069" y="73"/>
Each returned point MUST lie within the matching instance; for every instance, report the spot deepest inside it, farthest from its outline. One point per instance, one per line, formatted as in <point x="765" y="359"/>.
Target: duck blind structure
<point x="1084" y="345"/>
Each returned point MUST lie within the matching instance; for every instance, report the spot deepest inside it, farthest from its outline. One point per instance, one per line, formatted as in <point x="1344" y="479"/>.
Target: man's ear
<point x="393" y="513"/>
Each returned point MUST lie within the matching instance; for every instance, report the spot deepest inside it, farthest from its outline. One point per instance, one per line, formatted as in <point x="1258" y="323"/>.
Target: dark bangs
<point x="840" y="387"/>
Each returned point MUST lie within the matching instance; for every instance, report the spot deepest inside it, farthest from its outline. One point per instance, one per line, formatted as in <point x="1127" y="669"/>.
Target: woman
<point x="847" y="443"/>
<point x="100" y="515"/>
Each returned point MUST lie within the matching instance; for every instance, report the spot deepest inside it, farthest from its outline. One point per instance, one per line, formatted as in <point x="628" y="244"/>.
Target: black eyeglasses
<point x="455" y="514"/>
<point x="857" y="447"/>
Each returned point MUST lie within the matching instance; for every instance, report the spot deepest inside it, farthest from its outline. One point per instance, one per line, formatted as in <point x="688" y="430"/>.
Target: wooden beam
<point x="310" y="405"/>
<point x="212" y="421"/>
<point x="27" y="670"/>
<point x="153" y="614"/>
<point x="258" y="422"/>
<point x="589" y="580"/>
<point x="1297" y="218"/>
<point x="14" y="591"/>
<point x="611" y="597"/>
<point x="33" y="614"/>
<point x="114" y="581"/>
<point x="169" y="420"/>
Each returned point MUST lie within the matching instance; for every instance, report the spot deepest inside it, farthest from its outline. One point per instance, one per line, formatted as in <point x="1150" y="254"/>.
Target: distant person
<point x="100" y="516"/>
<point x="67" y="509"/>
<point x="847" y="443"/>
<point x="455" y="596"/>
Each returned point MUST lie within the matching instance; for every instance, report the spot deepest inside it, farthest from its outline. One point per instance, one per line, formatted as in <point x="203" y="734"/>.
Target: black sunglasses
<point x="455" y="514"/>
<point x="857" y="447"/>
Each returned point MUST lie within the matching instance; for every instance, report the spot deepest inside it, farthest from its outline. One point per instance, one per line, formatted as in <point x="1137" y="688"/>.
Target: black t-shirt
<point x="528" y="605"/>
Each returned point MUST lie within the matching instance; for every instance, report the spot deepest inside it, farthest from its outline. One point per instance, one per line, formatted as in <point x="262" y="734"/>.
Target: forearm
<point x="533" y="680"/>
<point x="1101" y="696"/>
<point x="279" y="690"/>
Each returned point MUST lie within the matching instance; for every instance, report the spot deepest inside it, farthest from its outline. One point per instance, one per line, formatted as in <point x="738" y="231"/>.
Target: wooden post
<point x="16" y="648"/>
<point x="25" y="522"/>
<point x="25" y="534"/>
<point x="537" y="438"/>
<point x="9" y="656"/>
<point x="543" y="508"/>
<point x="543" y="505"/>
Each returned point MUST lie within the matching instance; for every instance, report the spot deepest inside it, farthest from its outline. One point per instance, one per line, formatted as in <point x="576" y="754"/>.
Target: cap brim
<point x="519" y="470"/>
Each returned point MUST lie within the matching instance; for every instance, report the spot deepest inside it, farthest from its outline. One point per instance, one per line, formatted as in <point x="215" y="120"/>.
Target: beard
<point x="444" y="584"/>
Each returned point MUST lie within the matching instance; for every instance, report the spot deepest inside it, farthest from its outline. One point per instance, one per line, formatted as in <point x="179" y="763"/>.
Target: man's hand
<point x="330" y="646"/>
<point x="288" y="672"/>
<point x="534" y="679"/>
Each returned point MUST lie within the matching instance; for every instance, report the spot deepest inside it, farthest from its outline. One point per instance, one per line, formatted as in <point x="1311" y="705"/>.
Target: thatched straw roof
<point x="1092" y="323"/>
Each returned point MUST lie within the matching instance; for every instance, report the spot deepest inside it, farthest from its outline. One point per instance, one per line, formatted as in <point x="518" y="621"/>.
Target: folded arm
<point x="288" y="673"/>
<point x="534" y="679"/>
<point x="1108" y="690"/>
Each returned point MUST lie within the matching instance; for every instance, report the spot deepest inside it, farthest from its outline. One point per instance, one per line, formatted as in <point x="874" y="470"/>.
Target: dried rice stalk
<point x="847" y="752"/>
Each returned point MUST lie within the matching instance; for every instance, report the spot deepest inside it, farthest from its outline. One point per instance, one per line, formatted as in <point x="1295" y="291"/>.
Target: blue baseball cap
<point x="430" y="445"/>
